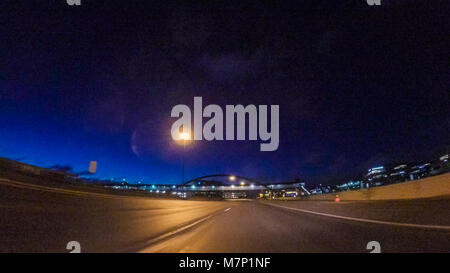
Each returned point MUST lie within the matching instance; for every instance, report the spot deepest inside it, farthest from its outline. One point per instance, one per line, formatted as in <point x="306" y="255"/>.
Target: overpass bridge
<point x="222" y="186"/>
<point x="236" y="186"/>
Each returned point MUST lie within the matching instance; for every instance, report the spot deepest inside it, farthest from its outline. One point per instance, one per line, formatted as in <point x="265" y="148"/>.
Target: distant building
<point x="376" y="176"/>
<point x="288" y="189"/>
<point x="419" y="171"/>
<point x="351" y="185"/>
<point x="399" y="173"/>
<point x="444" y="162"/>
<point x="322" y="189"/>
<point x="379" y="176"/>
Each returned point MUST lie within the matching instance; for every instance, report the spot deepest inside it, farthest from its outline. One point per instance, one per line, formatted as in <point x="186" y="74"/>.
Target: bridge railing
<point x="221" y="188"/>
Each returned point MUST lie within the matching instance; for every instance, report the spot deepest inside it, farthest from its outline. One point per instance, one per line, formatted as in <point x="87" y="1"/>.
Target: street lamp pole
<point x="183" y="136"/>
<point x="182" y="172"/>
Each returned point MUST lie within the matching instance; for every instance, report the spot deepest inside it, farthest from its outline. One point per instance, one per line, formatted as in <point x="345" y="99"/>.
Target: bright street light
<point x="185" y="136"/>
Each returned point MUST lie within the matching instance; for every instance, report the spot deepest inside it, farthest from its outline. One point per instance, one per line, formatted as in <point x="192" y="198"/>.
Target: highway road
<point x="37" y="218"/>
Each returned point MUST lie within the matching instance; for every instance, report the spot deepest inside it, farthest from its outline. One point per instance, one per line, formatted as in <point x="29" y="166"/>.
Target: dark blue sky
<point x="357" y="85"/>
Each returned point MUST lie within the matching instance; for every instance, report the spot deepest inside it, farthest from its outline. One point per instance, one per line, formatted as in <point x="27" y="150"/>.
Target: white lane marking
<point x="181" y="229"/>
<point x="366" y="220"/>
<point x="168" y="234"/>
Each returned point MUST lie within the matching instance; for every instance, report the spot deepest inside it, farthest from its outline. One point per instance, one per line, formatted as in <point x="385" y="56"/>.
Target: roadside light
<point x="232" y="178"/>
<point x="252" y="185"/>
<point x="337" y="199"/>
<point x="232" y="186"/>
<point x="242" y="183"/>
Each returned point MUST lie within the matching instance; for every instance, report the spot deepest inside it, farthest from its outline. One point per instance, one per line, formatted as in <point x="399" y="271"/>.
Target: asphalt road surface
<point x="37" y="218"/>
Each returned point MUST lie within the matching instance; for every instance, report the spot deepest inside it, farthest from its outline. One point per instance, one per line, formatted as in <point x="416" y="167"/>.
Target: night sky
<point x="357" y="86"/>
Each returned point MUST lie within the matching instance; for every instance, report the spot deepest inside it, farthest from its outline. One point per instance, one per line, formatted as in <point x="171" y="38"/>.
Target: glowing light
<point x="242" y="183"/>
<point x="185" y="136"/>
<point x="232" y="178"/>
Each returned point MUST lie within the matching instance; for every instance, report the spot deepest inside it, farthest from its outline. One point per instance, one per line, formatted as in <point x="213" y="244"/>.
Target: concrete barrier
<point x="435" y="186"/>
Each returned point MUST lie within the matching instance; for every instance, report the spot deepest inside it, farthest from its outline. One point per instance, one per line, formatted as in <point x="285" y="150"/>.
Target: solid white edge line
<point x="165" y="235"/>
<point x="366" y="220"/>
